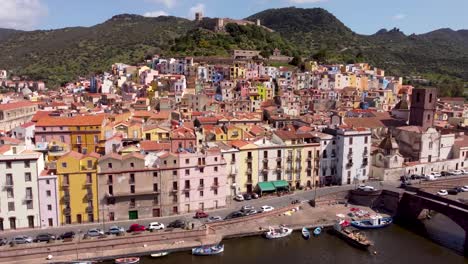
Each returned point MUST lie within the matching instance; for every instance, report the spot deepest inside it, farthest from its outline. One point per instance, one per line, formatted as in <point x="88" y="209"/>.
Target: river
<point x="393" y="245"/>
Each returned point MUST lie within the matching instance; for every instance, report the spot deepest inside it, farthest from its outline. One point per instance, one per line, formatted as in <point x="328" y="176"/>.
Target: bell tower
<point x="423" y="106"/>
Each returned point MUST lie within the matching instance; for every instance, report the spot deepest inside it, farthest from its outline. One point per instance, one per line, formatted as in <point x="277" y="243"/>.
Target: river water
<point x="393" y="245"/>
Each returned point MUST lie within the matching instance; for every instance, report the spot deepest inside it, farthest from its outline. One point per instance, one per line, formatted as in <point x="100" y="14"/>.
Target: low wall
<point x="364" y="198"/>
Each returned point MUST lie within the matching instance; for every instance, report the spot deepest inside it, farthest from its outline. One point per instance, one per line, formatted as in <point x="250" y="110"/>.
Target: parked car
<point x="250" y="212"/>
<point x="254" y="196"/>
<point x="136" y="228"/>
<point x="179" y="223"/>
<point x="44" y="238"/>
<point x="463" y="171"/>
<point x="235" y="214"/>
<point x="405" y="184"/>
<point x="464" y="188"/>
<point x="457" y="172"/>
<point x="435" y="174"/>
<point x="442" y="193"/>
<point x="246" y="208"/>
<point x="366" y="188"/>
<point x="155" y="226"/>
<point x="67" y="235"/>
<point x="116" y="230"/>
<point x="95" y="232"/>
<point x="266" y="208"/>
<point x="445" y="173"/>
<point x="3" y="241"/>
<point x="21" y="240"/>
<point x="247" y="196"/>
<point x="452" y="191"/>
<point x="416" y="177"/>
<point x="239" y="197"/>
<point x="216" y="218"/>
<point x="201" y="214"/>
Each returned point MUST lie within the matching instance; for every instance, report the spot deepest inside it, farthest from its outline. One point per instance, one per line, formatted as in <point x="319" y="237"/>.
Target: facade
<point x="19" y="207"/>
<point x="48" y="203"/>
<point x="77" y="182"/>
<point x="16" y="114"/>
<point x="423" y="105"/>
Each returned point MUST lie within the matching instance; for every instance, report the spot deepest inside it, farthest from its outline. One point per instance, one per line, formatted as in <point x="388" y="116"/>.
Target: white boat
<point x="160" y="254"/>
<point x="208" y="250"/>
<point x="280" y="232"/>
<point x="130" y="260"/>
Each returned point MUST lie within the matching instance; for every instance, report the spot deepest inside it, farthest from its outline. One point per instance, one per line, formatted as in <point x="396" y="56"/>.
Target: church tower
<point x="423" y="106"/>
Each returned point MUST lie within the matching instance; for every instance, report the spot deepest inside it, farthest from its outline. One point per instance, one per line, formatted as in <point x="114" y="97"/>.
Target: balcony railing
<point x="67" y="211"/>
<point x="249" y="180"/>
<point x="89" y="209"/>
<point x="9" y="184"/>
<point x="248" y="159"/>
<point x="350" y="155"/>
<point x="66" y="197"/>
<point x="89" y="196"/>
<point x="298" y="158"/>
<point x="233" y="161"/>
<point x="289" y="158"/>
<point x="132" y="205"/>
<point x="279" y="159"/>
<point x="349" y="164"/>
<point x="201" y="186"/>
<point x="249" y="171"/>
<point x="88" y="183"/>
<point x="265" y="160"/>
<point x="65" y="184"/>
<point x="28" y="197"/>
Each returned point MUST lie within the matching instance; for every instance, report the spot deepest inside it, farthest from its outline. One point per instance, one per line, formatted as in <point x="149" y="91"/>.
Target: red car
<point x="201" y="214"/>
<point x="136" y="228"/>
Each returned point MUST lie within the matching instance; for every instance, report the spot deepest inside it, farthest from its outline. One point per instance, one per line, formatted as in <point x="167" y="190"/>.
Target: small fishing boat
<point x="317" y="231"/>
<point x="130" y="260"/>
<point x="160" y="254"/>
<point x="351" y="236"/>
<point x="305" y="233"/>
<point x="280" y="232"/>
<point x="208" y="251"/>
<point x="375" y="221"/>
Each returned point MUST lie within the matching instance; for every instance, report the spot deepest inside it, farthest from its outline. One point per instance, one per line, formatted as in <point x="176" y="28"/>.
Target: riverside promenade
<point x="173" y="240"/>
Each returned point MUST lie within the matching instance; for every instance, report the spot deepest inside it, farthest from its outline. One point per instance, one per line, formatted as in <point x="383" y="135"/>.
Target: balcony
<point x="248" y="159"/>
<point x="186" y="189"/>
<point x="289" y="158"/>
<point x="132" y="205"/>
<point x="201" y="165"/>
<point x="215" y="185"/>
<point x="298" y="158"/>
<point x="349" y="164"/>
<point x="249" y="180"/>
<point x="265" y="160"/>
<point x="89" y="209"/>
<point x="9" y="184"/>
<point x="350" y="155"/>
<point x="65" y="184"/>
<point x="365" y="153"/>
<point x="365" y="163"/>
<point x="88" y="183"/>
<point x="174" y="190"/>
<point x="288" y="170"/>
<point x="28" y="198"/>
<point x="67" y="211"/>
<point x="309" y="158"/>
<point x="110" y="182"/>
<point x="89" y="196"/>
<point x="279" y="159"/>
<point x="309" y="168"/>
<point x="201" y="187"/>
<point x="249" y="170"/>
<point x="66" y="197"/>
<point x="233" y="161"/>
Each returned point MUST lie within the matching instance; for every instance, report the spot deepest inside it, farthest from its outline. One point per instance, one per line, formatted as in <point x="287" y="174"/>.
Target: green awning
<point x="266" y="186"/>
<point x="280" y="184"/>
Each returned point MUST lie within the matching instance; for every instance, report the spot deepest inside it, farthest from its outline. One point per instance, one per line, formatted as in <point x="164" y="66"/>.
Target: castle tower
<point x="198" y="16"/>
<point x="423" y="106"/>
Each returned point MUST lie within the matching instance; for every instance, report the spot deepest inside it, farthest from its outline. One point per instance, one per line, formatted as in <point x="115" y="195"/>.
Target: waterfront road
<point x="232" y="206"/>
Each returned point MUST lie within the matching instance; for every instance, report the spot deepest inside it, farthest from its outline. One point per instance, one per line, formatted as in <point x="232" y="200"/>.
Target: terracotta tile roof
<point x="94" y="155"/>
<point x="112" y="155"/>
<point x="73" y="154"/>
<point x="14" y="105"/>
<point x="239" y="143"/>
<point x="11" y="140"/>
<point x="92" y="120"/>
<point x="28" y="124"/>
<point x="4" y="148"/>
<point x="148" y="145"/>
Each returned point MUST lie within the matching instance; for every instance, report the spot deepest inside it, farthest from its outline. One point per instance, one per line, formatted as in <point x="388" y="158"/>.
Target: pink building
<point x="202" y="180"/>
<point x="48" y="203"/>
<point x="52" y="134"/>
<point x="183" y="139"/>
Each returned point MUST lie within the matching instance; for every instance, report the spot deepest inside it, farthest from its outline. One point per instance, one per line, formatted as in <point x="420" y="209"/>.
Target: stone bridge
<point x="412" y="204"/>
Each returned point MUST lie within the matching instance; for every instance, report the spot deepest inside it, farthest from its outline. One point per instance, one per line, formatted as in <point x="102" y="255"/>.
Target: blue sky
<point x="362" y="16"/>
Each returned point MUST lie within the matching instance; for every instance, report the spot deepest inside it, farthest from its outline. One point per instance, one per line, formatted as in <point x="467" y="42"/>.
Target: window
<point x="10" y="193"/>
<point x="201" y="193"/>
<point x="109" y="165"/>
<point x="187" y="184"/>
<point x="187" y="172"/>
<point x="215" y="191"/>
<point x="174" y="161"/>
<point x="201" y="182"/>
<point x="350" y="140"/>
<point x="216" y="159"/>
<point x="78" y="139"/>
<point x="47" y="182"/>
<point x="187" y="161"/>
<point x="27" y="164"/>
<point x="48" y="193"/>
<point x="51" y="221"/>
<point x="90" y="164"/>
<point x="155" y="174"/>
<point x="89" y="178"/>
<point x="155" y="187"/>
<point x="428" y="117"/>
<point x="278" y="153"/>
<point x="174" y="173"/>
<point x="11" y="206"/>
<point x="96" y="139"/>
<point x="132" y="188"/>
<point x="111" y="190"/>
<point x="132" y="165"/>
<point x="29" y="205"/>
<point x="187" y="194"/>
<point x="64" y="164"/>
<point x="132" y="178"/>
<point x="216" y="168"/>
<point x="174" y="185"/>
<point x="366" y="140"/>
<point x="109" y="179"/>
<point x="430" y="98"/>
<point x="62" y="138"/>
<point x="430" y="145"/>
<point x="8" y="164"/>
<point x="417" y="97"/>
<point x="27" y="176"/>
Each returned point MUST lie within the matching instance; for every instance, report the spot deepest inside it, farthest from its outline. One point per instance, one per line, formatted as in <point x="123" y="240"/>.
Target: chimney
<point x="258" y="22"/>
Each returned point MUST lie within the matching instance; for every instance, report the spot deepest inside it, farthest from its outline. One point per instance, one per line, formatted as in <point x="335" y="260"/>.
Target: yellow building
<point x="156" y="133"/>
<point x="77" y="180"/>
<point x="237" y="72"/>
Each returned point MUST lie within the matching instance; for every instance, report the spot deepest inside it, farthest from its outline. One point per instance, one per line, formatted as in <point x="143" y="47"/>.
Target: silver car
<point x="116" y="230"/>
<point x="21" y="240"/>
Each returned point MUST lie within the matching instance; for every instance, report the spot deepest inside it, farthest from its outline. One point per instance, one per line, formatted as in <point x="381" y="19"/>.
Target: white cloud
<point x="399" y="16"/>
<point x="196" y="8"/>
<point x="167" y="3"/>
<point x="306" y="1"/>
<point x="21" y="14"/>
<point x="155" y="13"/>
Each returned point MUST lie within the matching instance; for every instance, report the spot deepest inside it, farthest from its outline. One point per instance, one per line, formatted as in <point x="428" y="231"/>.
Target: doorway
<point x="79" y="218"/>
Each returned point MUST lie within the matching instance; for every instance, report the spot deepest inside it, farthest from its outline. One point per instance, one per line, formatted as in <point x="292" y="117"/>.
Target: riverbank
<point x="295" y="216"/>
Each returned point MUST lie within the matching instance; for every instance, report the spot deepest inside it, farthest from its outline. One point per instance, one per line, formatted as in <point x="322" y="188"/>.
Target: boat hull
<point x="366" y="224"/>
<point x="286" y="233"/>
<point x="208" y="251"/>
<point x="158" y="255"/>
<point x="133" y="260"/>
<point x="317" y="231"/>
<point x="305" y="233"/>
<point x="349" y="240"/>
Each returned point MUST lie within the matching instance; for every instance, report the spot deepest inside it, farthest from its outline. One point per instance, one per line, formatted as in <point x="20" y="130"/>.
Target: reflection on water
<point x="444" y="231"/>
<point x="393" y="245"/>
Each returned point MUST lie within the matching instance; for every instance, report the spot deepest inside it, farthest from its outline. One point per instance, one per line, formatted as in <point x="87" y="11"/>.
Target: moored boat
<point x="160" y="254"/>
<point x="305" y="233"/>
<point x="208" y="251"/>
<point x="280" y="232"/>
<point x="317" y="231"/>
<point x="373" y="222"/>
<point x="130" y="260"/>
<point x="351" y="236"/>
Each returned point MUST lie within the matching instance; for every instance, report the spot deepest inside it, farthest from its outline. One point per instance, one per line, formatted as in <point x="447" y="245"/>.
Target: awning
<point x="266" y="186"/>
<point x="280" y="184"/>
